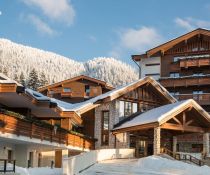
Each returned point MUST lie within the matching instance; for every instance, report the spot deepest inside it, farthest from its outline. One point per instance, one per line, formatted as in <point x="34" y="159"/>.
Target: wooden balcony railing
<point x="195" y="62"/>
<point x="18" y="126"/>
<point x="185" y="81"/>
<point x="202" y="99"/>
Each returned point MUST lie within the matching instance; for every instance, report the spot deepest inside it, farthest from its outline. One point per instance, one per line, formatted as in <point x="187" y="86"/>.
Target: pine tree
<point x="22" y="79"/>
<point x="5" y="72"/>
<point x="43" y="80"/>
<point x="16" y="77"/>
<point x="33" y="81"/>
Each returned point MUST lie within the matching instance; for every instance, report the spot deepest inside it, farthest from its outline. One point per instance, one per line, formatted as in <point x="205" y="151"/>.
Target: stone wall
<point x="119" y="141"/>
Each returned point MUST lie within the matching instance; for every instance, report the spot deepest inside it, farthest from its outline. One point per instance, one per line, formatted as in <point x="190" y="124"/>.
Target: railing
<point x="183" y="157"/>
<point x="203" y="99"/>
<point x="195" y="62"/>
<point x="185" y="81"/>
<point x="7" y="165"/>
<point x="13" y="125"/>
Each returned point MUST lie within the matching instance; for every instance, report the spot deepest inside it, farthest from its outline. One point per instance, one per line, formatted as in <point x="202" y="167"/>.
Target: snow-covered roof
<point x="37" y="95"/>
<point x="115" y="93"/>
<point x="159" y="114"/>
<point x="6" y="80"/>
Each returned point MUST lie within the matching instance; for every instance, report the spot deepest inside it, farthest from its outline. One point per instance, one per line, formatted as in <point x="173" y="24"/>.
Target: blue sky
<point x="84" y="29"/>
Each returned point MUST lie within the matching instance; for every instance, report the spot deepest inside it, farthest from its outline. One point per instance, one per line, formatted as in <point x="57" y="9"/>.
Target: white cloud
<point x="0" y="13"/>
<point x="92" y="38"/>
<point x="58" y="10"/>
<point x="184" y="24"/>
<point x="138" y="40"/>
<point x="40" y="25"/>
<point x="191" y="23"/>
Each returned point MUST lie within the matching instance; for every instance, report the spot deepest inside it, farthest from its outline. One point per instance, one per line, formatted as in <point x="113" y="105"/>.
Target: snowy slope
<point x="153" y="165"/>
<point x="16" y="58"/>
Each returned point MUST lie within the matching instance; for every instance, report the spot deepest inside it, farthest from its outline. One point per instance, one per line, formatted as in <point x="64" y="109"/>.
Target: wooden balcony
<point x="18" y="126"/>
<point x="185" y="81"/>
<point x="202" y="99"/>
<point x="66" y="94"/>
<point x="194" y="62"/>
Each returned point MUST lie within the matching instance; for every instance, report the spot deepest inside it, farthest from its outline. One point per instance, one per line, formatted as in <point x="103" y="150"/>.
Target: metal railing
<point x="7" y="165"/>
<point x="183" y="157"/>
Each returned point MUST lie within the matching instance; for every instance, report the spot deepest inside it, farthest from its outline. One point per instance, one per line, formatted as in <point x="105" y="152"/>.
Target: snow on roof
<point x="6" y="80"/>
<point x="154" y="115"/>
<point x="65" y="106"/>
<point x="37" y="95"/>
<point x="118" y="90"/>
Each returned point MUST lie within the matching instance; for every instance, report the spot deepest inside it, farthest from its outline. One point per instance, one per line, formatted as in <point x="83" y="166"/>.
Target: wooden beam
<point x="189" y="122"/>
<point x="136" y="128"/>
<point x="176" y="120"/>
<point x="176" y="127"/>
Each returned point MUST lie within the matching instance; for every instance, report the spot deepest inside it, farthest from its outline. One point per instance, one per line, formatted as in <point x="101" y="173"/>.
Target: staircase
<point x="183" y="157"/>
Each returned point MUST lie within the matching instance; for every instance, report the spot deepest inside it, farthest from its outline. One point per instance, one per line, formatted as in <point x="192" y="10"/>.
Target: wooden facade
<point x="17" y="126"/>
<point x="76" y="89"/>
<point x="185" y="66"/>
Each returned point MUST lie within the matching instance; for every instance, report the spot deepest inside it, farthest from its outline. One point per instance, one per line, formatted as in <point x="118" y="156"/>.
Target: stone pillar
<point x="156" y="142"/>
<point x="174" y="144"/>
<point x="205" y="144"/>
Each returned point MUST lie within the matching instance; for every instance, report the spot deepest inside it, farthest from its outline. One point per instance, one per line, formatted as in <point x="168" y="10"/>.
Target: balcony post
<point x="205" y="144"/>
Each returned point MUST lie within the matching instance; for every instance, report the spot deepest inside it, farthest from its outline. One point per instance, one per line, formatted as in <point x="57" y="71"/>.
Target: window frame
<point x="104" y="132"/>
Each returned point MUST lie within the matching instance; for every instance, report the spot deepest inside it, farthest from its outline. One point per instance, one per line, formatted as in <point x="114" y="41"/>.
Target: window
<point x="174" y="93"/>
<point x="87" y="90"/>
<point x="153" y="64"/>
<point x="66" y="89"/>
<point x="197" y="92"/>
<point x="198" y="74"/>
<point x="174" y="74"/>
<point x="154" y="74"/>
<point x="105" y="128"/>
<point x="128" y="108"/>
<point x="176" y="59"/>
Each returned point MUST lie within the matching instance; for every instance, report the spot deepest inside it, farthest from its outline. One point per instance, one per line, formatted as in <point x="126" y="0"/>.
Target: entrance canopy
<point x="186" y="116"/>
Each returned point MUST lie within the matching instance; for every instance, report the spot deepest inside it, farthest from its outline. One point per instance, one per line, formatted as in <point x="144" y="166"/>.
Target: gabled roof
<point x="165" y="46"/>
<point x="158" y="116"/>
<point x="9" y="85"/>
<point x="103" y="83"/>
<point x="115" y="93"/>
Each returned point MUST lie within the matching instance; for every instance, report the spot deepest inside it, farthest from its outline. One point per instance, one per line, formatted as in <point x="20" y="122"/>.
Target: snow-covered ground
<point x="39" y="171"/>
<point x="35" y="171"/>
<point x="153" y="165"/>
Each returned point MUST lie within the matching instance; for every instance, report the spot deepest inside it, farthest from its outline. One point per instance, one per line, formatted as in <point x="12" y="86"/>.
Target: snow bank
<point x="39" y="171"/>
<point x="170" y="167"/>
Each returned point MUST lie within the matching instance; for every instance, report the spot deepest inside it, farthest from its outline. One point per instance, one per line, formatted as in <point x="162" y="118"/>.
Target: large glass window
<point x="128" y="108"/>
<point x="105" y="128"/>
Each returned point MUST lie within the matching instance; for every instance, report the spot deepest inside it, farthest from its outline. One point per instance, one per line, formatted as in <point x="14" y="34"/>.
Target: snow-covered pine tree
<point x="16" y="77"/>
<point x="43" y="80"/>
<point x="22" y="79"/>
<point x="5" y="72"/>
<point x="33" y="81"/>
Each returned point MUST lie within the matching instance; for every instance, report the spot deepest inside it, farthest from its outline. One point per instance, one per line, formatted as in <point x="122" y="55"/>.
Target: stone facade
<point x="206" y="143"/>
<point x="157" y="138"/>
<point x="120" y="140"/>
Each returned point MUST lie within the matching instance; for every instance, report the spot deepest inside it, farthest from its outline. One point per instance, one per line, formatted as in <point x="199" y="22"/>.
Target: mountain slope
<point x="17" y="58"/>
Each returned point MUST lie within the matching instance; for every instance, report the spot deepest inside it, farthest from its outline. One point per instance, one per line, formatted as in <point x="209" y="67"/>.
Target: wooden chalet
<point x="182" y="66"/>
<point x="141" y="115"/>
<point x="76" y="89"/>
